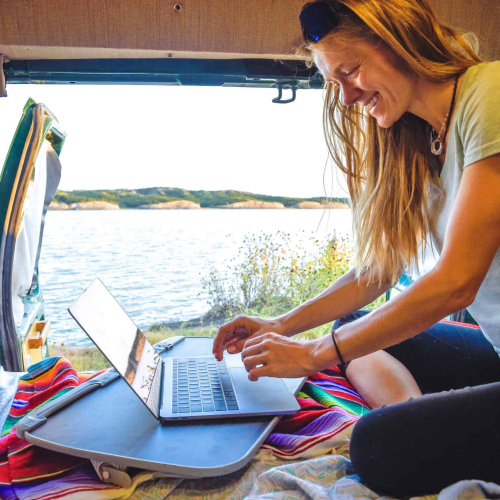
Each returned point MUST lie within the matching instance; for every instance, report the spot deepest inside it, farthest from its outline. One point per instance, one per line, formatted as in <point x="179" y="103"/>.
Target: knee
<point x="371" y="364"/>
<point x="374" y="453"/>
<point x="365" y="456"/>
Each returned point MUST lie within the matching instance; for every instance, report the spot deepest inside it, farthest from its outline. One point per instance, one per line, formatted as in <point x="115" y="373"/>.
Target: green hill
<point x="133" y="198"/>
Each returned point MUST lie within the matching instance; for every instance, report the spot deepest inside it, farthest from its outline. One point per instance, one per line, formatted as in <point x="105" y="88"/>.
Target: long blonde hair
<point x="389" y="170"/>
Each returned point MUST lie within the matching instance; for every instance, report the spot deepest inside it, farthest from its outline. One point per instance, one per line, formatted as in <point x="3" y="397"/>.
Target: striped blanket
<point x="329" y="405"/>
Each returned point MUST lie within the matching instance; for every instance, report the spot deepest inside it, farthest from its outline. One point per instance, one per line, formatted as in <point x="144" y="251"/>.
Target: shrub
<point x="272" y="276"/>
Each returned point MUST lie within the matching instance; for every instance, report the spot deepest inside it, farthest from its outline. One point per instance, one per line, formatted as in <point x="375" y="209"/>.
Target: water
<point x="153" y="260"/>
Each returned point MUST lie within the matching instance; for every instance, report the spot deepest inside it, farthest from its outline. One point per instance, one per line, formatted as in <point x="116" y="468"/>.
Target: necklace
<point x="437" y="145"/>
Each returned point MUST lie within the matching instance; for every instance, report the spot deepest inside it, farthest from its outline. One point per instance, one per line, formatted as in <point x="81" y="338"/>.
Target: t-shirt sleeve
<point x="479" y="122"/>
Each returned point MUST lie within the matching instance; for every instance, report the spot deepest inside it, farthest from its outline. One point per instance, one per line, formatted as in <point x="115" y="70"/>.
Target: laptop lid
<point x="103" y="319"/>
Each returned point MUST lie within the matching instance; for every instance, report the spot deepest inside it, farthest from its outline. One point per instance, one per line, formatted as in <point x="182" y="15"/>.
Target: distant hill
<point x="133" y="198"/>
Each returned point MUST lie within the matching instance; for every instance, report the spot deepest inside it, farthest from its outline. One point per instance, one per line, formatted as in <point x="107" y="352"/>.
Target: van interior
<point x="151" y="42"/>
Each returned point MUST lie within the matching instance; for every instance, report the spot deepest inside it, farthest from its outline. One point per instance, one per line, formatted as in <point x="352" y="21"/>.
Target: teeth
<point x="372" y="102"/>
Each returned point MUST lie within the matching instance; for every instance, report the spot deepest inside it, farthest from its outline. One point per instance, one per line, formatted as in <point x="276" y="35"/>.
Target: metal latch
<point x="279" y="100"/>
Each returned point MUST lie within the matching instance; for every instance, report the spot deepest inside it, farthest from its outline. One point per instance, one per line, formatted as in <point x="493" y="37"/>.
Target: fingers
<point x="228" y="333"/>
<point x="252" y="362"/>
<point x="236" y="334"/>
<point x="261" y="371"/>
<point x="223" y="342"/>
<point x="221" y="334"/>
<point x="251" y="350"/>
<point x="255" y="346"/>
<point x="267" y="356"/>
<point x="256" y="356"/>
<point x="235" y="346"/>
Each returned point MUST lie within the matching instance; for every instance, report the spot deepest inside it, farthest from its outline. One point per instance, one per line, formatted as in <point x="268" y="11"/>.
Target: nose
<point x="350" y="93"/>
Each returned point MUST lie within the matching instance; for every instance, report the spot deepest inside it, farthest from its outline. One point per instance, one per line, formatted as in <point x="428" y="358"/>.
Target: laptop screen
<point x="119" y="339"/>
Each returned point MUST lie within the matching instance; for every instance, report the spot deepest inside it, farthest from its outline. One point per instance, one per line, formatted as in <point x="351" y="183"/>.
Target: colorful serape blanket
<point x="23" y="465"/>
<point x="329" y="405"/>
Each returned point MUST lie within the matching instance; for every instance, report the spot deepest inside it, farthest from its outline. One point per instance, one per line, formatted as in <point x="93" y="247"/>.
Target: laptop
<point x="197" y="387"/>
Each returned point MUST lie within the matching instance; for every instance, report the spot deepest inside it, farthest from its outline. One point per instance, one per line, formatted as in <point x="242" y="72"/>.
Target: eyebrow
<point x="339" y="69"/>
<point x="336" y="73"/>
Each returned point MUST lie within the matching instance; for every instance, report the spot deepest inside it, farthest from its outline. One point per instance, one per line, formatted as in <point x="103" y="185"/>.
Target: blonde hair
<point x="389" y="170"/>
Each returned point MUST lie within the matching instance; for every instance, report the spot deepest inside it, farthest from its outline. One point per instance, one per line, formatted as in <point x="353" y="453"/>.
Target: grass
<point x="90" y="359"/>
<point x="83" y="359"/>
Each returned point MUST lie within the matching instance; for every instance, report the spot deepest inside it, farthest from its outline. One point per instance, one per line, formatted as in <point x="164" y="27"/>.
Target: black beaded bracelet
<point x="337" y="349"/>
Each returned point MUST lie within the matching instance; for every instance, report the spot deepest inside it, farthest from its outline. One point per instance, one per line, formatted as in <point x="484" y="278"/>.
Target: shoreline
<point x="183" y="204"/>
<point x="202" y="322"/>
<point x="208" y="320"/>
<point x="54" y="209"/>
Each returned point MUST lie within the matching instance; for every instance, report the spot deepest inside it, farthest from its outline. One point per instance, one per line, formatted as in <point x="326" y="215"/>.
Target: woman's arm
<point x="346" y="295"/>
<point x="471" y="241"/>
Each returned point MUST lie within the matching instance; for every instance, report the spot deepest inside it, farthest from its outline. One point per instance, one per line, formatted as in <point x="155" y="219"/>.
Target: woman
<point x="412" y="118"/>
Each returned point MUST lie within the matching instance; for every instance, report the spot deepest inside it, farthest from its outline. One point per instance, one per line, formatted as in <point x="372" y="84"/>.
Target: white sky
<point x="208" y="138"/>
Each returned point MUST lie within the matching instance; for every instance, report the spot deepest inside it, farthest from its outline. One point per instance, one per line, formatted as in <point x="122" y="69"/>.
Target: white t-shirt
<point x="474" y="134"/>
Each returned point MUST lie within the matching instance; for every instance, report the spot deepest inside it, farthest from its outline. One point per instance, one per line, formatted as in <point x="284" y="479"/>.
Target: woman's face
<point x="367" y="75"/>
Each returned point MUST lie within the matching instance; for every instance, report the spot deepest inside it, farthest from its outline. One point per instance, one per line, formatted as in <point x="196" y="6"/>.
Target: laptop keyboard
<point x="202" y="385"/>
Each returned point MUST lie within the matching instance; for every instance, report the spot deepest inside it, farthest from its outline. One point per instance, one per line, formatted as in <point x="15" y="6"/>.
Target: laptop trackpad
<point x="267" y="394"/>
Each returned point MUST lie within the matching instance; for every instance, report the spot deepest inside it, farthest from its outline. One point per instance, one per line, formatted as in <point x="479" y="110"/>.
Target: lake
<point x="153" y="261"/>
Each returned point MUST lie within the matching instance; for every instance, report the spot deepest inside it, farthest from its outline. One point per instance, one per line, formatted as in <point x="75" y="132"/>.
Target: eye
<point x="352" y="71"/>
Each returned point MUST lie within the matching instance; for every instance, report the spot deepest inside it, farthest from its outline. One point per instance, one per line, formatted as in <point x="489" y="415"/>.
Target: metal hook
<point x="279" y="100"/>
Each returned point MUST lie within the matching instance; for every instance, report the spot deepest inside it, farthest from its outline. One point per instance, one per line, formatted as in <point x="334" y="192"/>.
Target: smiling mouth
<point x="372" y="102"/>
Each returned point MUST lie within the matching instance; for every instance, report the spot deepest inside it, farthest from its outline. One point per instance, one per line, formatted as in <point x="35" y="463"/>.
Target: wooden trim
<point x="39" y="336"/>
<point x="33" y="347"/>
<point x="31" y="52"/>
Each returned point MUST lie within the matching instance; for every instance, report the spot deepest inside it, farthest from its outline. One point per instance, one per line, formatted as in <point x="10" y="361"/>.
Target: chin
<point x="384" y="121"/>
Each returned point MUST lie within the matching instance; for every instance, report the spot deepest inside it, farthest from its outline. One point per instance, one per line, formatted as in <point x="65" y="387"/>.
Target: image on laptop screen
<point x="118" y="338"/>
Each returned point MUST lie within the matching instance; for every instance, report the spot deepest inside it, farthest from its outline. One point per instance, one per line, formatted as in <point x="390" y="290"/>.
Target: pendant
<point x="437" y="147"/>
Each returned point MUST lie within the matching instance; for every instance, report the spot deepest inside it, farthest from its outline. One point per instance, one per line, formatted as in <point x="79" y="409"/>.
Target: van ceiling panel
<point x="212" y="29"/>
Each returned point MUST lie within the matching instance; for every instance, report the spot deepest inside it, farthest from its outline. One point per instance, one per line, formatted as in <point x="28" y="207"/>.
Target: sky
<point x="196" y="138"/>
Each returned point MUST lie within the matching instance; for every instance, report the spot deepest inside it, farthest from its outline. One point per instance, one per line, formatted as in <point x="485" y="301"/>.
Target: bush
<point x="272" y="276"/>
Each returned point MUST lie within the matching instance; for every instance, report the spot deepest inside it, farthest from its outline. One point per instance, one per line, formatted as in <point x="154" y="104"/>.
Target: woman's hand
<point x="233" y="335"/>
<point x="273" y="355"/>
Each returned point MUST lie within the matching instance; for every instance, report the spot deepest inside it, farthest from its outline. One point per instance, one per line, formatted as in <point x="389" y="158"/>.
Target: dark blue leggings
<point x="452" y="433"/>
